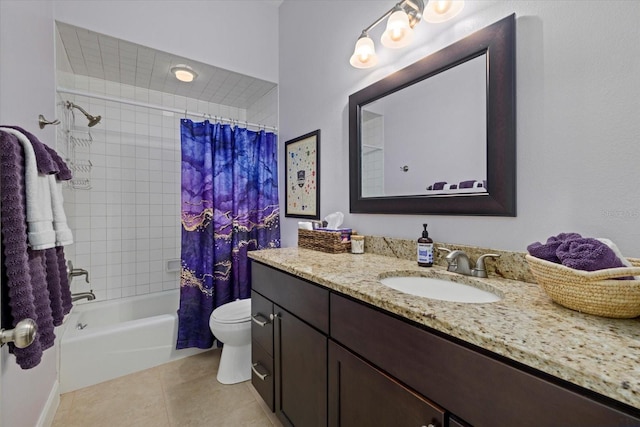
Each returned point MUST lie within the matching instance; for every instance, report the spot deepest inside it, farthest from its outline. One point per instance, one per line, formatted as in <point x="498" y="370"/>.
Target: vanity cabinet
<point x="478" y="388"/>
<point x="299" y="328"/>
<point x="362" y="395"/>
<point x="337" y="361"/>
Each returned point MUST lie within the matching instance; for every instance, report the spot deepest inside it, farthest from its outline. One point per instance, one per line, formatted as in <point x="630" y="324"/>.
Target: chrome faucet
<point x="458" y="262"/>
<point x="89" y="296"/>
<point x="73" y="272"/>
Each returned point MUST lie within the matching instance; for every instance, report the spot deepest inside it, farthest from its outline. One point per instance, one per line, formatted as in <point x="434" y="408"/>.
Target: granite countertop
<point x="599" y="354"/>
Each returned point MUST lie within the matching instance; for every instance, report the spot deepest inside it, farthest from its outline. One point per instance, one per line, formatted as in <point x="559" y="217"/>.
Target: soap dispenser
<point x="425" y="249"/>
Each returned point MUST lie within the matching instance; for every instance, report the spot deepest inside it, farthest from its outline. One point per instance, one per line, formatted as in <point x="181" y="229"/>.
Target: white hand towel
<point x="64" y="236"/>
<point x="616" y="250"/>
<point x="38" y="199"/>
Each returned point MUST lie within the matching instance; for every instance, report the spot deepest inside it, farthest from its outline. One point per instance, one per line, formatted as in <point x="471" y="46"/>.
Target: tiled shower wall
<point x="127" y="225"/>
<point x="373" y="156"/>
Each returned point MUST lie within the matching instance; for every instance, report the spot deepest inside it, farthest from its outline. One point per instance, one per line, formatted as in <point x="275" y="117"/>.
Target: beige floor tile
<point x="178" y="394"/>
<point x="189" y="368"/>
<point x="265" y="409"/>
<point x="125" y="401"/>
<point x="64" y="409"/>
<point x="250" y="415"/>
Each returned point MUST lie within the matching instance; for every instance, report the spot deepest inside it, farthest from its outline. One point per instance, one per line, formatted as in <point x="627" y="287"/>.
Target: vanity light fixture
<point x="184" y="73"/>
<point x="399" y="32"/>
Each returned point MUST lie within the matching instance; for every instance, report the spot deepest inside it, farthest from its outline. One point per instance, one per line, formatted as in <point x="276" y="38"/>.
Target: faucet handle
<point x="441" y="248"/>
<point x="480" y="271"/>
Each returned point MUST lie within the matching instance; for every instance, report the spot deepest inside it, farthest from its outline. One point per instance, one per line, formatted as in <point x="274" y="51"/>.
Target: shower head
<point x="93" y="120"/>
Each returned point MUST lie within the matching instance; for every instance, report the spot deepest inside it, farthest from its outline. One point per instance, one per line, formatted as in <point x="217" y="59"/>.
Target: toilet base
<point x="235" y="364"/>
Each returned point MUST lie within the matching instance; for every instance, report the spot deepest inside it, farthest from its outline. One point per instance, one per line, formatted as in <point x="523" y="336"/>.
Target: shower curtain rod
<point x="161" y="108"/>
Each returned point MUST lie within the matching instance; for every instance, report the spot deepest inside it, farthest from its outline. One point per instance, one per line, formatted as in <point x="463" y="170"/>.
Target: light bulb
<point x="364" y="55"/>
<point x="442" y="10"/>
<point x="398" y="33"/>
<point x="442" y="6"/>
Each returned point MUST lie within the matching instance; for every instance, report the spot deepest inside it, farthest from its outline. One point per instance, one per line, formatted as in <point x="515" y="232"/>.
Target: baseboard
<point x="49" y="412"/>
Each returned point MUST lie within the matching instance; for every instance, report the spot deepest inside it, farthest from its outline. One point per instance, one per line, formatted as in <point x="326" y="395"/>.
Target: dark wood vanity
<point x="322" y="358"/>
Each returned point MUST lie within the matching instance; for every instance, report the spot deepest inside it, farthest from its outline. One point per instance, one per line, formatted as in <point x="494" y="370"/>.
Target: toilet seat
<point x="233" y="312"/>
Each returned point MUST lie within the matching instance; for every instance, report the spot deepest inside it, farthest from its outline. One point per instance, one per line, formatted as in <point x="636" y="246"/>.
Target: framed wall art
<point x="302" y="176"/>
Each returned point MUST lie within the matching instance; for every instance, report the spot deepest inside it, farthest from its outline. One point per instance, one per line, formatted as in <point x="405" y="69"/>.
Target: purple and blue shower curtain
<point x="229" y="207"/>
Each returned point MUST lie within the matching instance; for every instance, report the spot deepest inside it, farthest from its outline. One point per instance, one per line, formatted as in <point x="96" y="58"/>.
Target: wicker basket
<point x="592" y="292"/>
<point x="324" y="241"/>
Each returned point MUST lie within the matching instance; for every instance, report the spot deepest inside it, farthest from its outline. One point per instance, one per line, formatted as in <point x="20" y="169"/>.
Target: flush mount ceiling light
<point x="399" y="32"/>
<point x="184" y="73"/>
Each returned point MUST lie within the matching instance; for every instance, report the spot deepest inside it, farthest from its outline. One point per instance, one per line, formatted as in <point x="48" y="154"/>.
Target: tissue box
<point x="345" y="233"/>
<point x="329" y="241"/>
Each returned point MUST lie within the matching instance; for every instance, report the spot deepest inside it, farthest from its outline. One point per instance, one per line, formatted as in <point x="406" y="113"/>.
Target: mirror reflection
<point x="428" y="138"/>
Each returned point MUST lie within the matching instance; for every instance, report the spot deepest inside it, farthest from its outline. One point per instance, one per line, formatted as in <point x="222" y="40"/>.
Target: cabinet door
<point x="300" y="371"/>
<point x="361" y="395"/>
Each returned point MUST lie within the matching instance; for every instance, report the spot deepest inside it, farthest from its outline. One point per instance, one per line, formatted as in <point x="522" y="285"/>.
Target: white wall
<point x="578" y="103"/>
<point x="27" y="85"/>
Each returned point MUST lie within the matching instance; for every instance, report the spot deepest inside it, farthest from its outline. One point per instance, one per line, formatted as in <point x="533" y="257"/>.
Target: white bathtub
<point x="119" y="337"/>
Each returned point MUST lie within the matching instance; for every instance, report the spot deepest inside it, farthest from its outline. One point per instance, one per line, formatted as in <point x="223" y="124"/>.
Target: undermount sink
<point x="439" y="289"/>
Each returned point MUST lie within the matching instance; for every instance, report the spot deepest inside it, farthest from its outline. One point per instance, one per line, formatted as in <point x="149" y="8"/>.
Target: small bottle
<point x="425" y="249"/>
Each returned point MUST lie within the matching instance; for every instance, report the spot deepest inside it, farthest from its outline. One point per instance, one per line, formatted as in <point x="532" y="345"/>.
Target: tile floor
<point x="181" y="393"/>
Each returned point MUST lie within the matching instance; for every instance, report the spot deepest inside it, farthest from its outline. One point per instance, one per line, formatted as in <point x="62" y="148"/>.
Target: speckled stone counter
<point x="596" y="353"/>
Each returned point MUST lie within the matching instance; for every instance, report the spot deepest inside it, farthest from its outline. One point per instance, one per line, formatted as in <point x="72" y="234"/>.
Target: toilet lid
<point x="233" y="312"/>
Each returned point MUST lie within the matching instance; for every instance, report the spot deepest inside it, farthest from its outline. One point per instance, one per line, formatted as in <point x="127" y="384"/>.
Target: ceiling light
<point x="184" y="73"/>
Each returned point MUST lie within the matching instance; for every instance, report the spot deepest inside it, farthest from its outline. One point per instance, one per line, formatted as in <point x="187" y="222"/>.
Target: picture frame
<point x="302" y="176"/>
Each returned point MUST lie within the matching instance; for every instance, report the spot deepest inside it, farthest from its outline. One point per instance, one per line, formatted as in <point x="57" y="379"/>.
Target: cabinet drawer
<point x="301" y="298"/>
<point x="361" y="395"/>
<point x="261" y="322"/>
<point x="262" y="373"/>
<point x="481" y="390"/>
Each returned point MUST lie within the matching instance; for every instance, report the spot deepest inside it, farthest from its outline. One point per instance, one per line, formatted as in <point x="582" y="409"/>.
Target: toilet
<point x="231" y="324"/>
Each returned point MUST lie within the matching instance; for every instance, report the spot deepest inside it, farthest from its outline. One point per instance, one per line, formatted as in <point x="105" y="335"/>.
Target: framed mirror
<point x="438" y="137"/>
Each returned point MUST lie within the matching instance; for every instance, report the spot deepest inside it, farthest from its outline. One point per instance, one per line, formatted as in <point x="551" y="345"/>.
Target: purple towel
<point x="587" y="254"/>
<point x="548" y="250"/>
<point x="65" y="172"/>
<point x="46" y="165"/>
<point x="467" y="184"/>
<point x="36" y="289"/>
<point x="439" y="185"/>
<point x="14" y="239"/>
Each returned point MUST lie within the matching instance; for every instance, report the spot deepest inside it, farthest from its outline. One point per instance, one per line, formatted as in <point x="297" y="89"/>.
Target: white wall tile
<point x="128" y="224"/>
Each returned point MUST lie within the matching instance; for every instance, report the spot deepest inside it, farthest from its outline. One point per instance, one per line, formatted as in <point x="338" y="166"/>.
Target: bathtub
<point x="108" y="339"/>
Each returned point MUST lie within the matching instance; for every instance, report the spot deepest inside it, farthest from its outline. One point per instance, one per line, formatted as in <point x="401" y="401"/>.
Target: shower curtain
<point x="229" y="207"/>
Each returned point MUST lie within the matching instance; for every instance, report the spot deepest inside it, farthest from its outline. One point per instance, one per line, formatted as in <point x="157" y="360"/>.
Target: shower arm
<point x="93" y="120"/>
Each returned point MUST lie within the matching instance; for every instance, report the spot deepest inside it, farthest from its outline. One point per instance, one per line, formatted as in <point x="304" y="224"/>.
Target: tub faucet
<point x="89" y="296"/>
<point x="73" y="272"/>
<point x="459" y="262"/>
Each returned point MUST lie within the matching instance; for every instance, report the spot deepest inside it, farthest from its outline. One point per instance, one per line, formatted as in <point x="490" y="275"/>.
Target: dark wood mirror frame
<point x="498" y="42"/>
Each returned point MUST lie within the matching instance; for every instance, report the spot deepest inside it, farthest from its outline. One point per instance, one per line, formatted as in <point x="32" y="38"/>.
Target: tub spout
<point x="90" y="296"/>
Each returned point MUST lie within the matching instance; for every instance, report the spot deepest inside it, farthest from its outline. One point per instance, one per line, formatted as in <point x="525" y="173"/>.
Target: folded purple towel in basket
<point x="587" y="254"/>
<point x="547" y="251"/>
